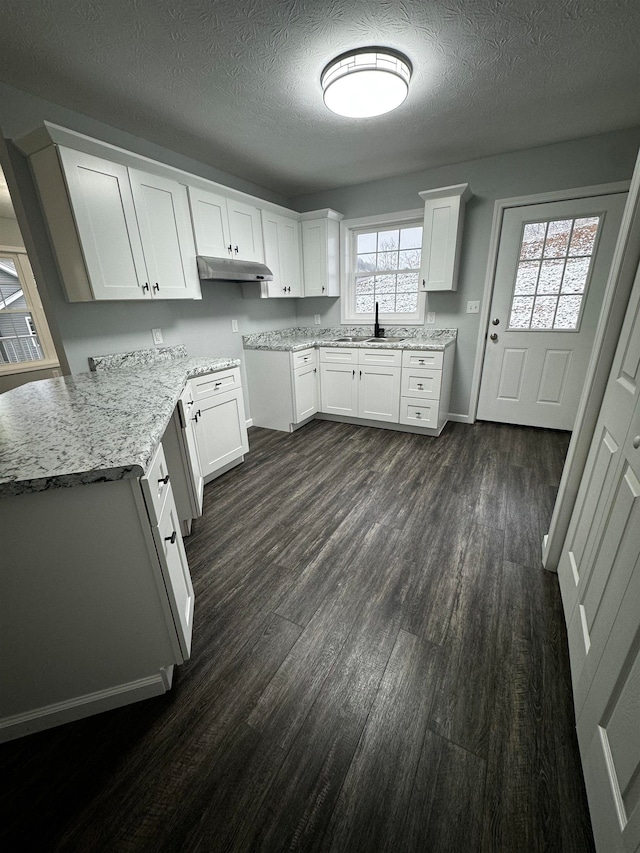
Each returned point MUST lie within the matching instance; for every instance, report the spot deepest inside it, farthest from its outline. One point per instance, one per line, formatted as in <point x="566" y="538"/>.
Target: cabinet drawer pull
<point x="217" y="384"/>
<point x="418" y="415"/>
<point x="420" y="388"/>
<point x="421" y="361"/>
<point x="172" y="538"/>
<point x="164" y="480"/>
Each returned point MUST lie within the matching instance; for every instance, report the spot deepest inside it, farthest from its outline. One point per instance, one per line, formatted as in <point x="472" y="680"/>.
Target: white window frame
<point x="349" y="229"/>
<point x="34" y="306"/>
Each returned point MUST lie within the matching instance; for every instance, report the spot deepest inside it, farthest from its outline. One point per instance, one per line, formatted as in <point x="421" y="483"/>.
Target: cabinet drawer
<point x="421" y="383"/>
<point x="419" y="412"/>
<point x="380" y="357"/>
<point x="304" y="358"/>
<point x="155" y="485"/>
<point x="338" y="355"/>
<point x="422" y="358"/>
<point x="215" y="383"/>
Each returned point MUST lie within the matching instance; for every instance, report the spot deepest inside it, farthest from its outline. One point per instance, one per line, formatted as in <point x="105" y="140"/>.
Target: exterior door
<point x="552" y="268"/>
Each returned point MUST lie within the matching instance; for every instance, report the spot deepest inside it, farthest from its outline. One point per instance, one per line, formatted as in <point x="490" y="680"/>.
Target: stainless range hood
<point x="225" y="269"/>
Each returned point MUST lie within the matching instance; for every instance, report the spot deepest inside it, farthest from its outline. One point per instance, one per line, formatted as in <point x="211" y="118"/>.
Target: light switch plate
<point x="157" y="336"/>
<point x="473" y="307"/>
<point x="431" y="317"/>
<point x="234" y="325"/>
<point x="316" y="319"/>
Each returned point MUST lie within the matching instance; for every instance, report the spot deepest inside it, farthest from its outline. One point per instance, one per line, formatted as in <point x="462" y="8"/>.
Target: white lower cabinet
<point x="361" y="383"/>
<point x="97" y="608"/>
<point x="425" y="388"/>
<point x="283" y="387"/>
<point x="220" y="423"/>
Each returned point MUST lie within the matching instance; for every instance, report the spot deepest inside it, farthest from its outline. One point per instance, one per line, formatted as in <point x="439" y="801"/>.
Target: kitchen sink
<point x="386" y="339"/>
<point x="366" y="339"/>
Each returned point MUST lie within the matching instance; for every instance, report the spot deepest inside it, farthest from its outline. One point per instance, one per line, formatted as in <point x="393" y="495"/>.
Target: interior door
<point x="552" y="268"/>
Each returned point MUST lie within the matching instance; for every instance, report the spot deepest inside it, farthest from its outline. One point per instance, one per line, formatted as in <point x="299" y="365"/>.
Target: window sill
<point x="28" y="366"/>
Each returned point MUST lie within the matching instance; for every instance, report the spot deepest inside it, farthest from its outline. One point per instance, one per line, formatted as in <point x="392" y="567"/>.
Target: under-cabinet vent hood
<point x="225" y="269"/>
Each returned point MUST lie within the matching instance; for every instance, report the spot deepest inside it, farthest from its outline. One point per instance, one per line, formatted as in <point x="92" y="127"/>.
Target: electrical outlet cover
<point x="157" y="336"/>
<point x="234" y="325"/>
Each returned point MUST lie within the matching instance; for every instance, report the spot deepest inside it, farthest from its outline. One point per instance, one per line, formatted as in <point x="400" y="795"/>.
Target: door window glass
<point x="552" y="273"/>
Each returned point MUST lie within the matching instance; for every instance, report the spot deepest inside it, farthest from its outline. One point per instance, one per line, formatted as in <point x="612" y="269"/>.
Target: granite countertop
<point x="91" y="427"/>
<point x="296" y="339"/>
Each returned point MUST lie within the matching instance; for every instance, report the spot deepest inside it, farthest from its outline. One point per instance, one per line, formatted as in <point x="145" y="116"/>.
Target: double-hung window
<point x="381" y="264"/>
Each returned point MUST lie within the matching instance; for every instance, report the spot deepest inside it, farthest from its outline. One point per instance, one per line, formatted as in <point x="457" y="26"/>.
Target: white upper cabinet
<point x="442" y="236"/>
<point x="162" y="211"/>
<point x="117" y="233"/>
<point x="224" y="227"/>
<point x="321" y="252"/>
<point x="282" y="255"/>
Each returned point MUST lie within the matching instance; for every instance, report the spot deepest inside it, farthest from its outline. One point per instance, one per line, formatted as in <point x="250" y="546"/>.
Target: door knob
<point x="493" y="337"/>
<point x="495" y="321"/>
<point x="636" y="442"/>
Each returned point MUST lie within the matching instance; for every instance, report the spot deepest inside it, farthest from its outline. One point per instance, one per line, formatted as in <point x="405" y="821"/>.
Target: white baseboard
<point x="249" y="422"/>
<point x="460" y="419"/>
<point x="70" y="710"/>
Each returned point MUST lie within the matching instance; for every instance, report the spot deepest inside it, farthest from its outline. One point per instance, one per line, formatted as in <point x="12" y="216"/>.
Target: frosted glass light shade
<point x="366" y="82"/>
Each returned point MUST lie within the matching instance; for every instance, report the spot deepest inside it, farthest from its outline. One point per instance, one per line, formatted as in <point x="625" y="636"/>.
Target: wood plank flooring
<point x="379" y="664"/>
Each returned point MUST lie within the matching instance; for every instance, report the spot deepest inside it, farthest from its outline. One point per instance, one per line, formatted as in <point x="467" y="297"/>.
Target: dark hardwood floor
<point x="379" y="663"/>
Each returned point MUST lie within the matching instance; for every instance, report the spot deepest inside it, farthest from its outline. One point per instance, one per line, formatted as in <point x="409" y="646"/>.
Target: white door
<point x="379" y="393"/>
<point x="245" y="226"/>
<point x="210" y="223"/>
<point x="552" y="268"/>
<point x="599" y="573"/>
<point x="162" y="210"/>
<point x="103" y="209"/>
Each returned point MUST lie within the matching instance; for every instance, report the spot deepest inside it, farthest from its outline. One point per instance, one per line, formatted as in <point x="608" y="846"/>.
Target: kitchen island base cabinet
<point x="97" y="603"/>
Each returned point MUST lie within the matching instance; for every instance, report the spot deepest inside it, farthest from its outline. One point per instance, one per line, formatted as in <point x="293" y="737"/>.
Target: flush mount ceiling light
<point x="369" y="81"/>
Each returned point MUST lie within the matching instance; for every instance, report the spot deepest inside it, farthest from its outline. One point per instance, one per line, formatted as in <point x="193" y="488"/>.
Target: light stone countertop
<point x="296" y="339"/>
<point x="91" y="427"/>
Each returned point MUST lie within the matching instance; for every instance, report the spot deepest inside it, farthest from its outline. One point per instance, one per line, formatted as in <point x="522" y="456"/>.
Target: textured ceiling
<point x="235" y="83"/>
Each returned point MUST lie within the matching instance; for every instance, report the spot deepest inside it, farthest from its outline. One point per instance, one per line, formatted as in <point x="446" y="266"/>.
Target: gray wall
<point x="599" y="159"/>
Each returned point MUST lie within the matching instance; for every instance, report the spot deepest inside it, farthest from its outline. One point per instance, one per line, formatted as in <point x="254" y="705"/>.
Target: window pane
<point x="543" y="312"/>
<point x="584" y="236"/>
<point x="387" y="302"/>
<point x="527" y="278"/>
<point x="558" y="234"/>
<point x="411" y="238"/>
<point x="575" y="275"/>
<point x="406" y="303"/>
<point x="366" y="243"/>
<point x="385" y="284"/>
<point x="18" y="339"/>
<point x="366" y="263"/>
<point x="532" y="240"/>
<point x="521" y="312"/>
<point x="364" y="285"/>
<point x="407" y="282"/>
<point x="568" y="312"/>
<point x="550" y="276"/>
<point x="364" y="304"/>
<point x="388" y="261"/>
<point x="409" y="260"/>
<point x="388" y="240"/>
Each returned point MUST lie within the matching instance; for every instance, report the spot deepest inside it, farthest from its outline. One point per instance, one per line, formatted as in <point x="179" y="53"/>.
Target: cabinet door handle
<point x="323" y="288"/>
<point x="236" y="250"/>
<point x="145" y="286"/>
<point x="315" y="369"/>
<point x="164" y="480"/>
<point x="230" y="249"/>
<point x="354" y="374"/>
<point x="156" y="287"/>
<point x="196" y="416"/>
<point x="172" y="538"/>
<point x="360" y="374"/>
<point x="284" y="289"/>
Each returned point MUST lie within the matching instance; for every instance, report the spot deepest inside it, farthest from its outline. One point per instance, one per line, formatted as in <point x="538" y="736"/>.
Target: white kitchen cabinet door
<point x="175" y="571"/>
<point x="105" y="219"/>
<point x="442" y="236"/>
<point x="188" y="428"/>
<point x="282" y="255"/>
<point x="379" y="393"/>
<point x="210" y="223"/>
<point x="321" y="254"/>
<point x="162" y="211"/>
<point x="245" y="227"/>
<point x="221" y="431"/>
<point x="305" y="392"/>
<point x="339" y="389"/>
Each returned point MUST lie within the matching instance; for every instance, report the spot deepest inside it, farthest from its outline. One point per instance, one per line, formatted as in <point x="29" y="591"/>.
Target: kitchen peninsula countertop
<point x="297" y="339"/>
<point x="91" y="427"/>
